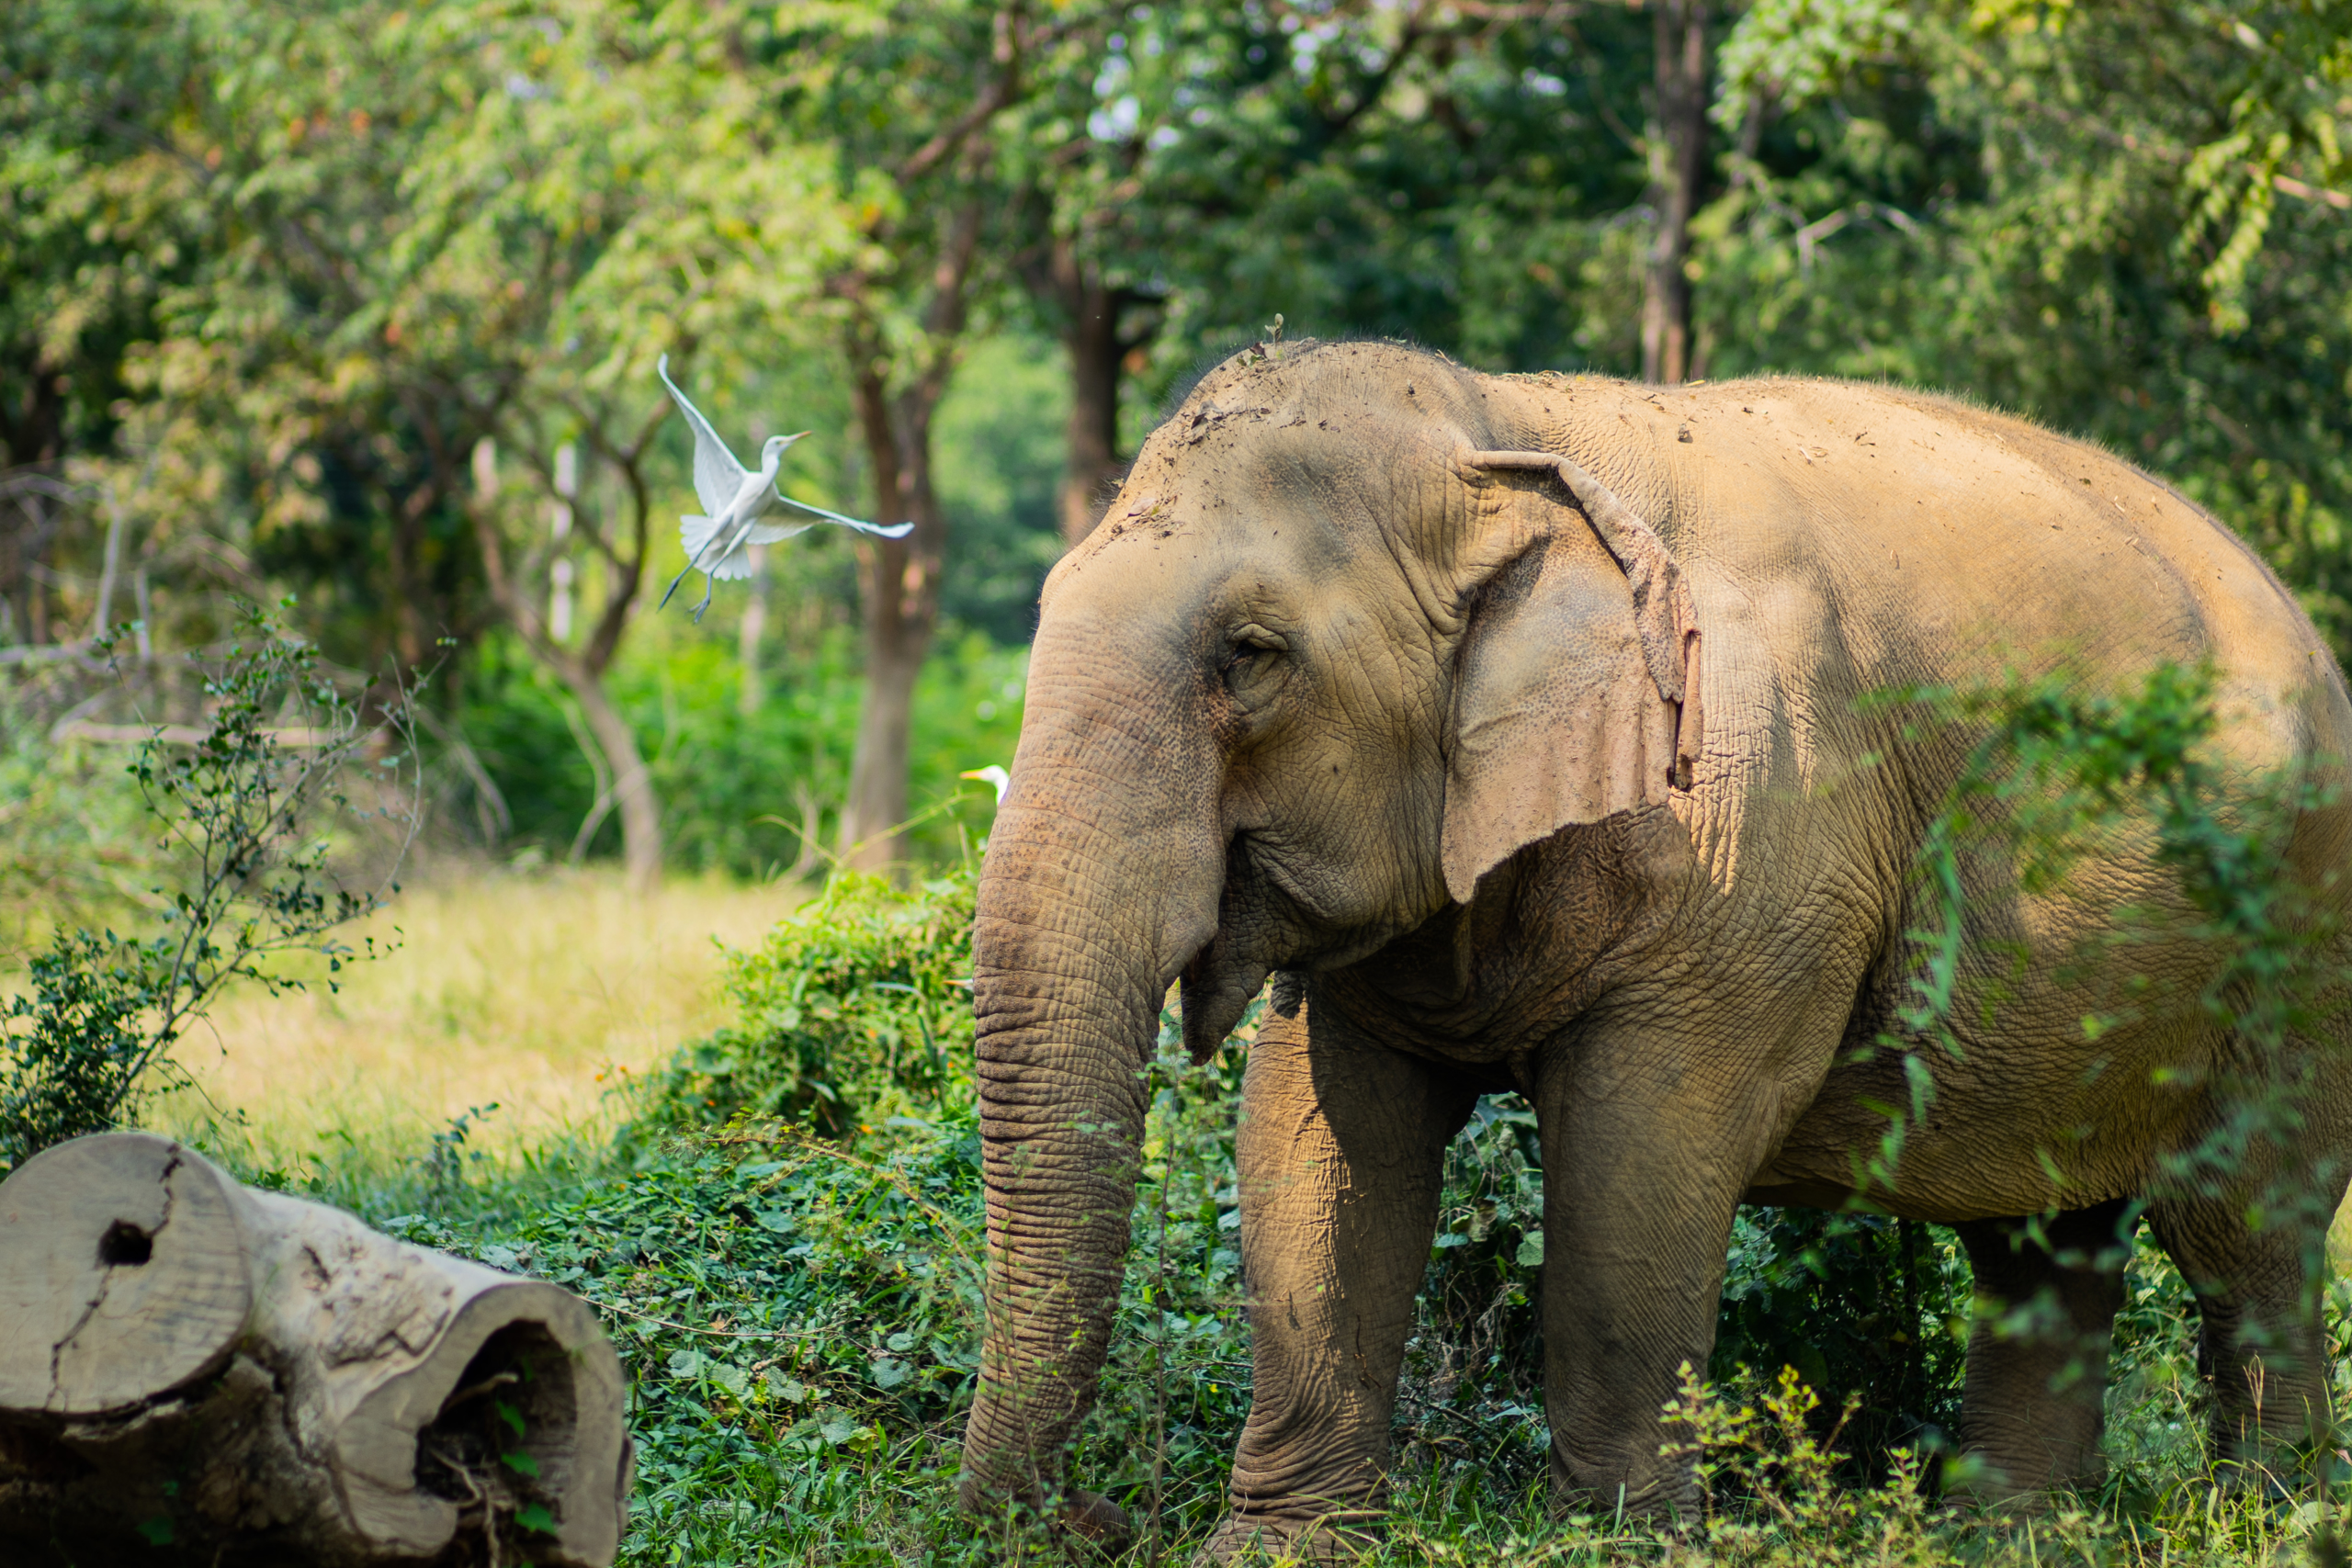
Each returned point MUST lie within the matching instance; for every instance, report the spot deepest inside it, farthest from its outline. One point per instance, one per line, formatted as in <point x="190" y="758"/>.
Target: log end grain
<point x="125" y="1275"/>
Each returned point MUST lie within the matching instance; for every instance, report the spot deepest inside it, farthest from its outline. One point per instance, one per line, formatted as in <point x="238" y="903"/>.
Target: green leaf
<point x="509" y="1414"/>
<point x="521" y="1464"/>
<point x="535" y="1517"/>
<point x="157" y="1530"/>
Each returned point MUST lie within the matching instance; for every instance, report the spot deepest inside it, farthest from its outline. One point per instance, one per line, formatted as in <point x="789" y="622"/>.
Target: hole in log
<point x="125" y="1245"/>
<point x="504" y="1438"/>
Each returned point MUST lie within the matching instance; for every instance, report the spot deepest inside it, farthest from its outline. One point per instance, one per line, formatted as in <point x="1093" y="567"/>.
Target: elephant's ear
<point x="1575" y="695"/>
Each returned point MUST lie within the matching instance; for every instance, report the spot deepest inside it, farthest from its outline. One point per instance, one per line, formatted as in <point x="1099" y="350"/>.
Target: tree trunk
<point x="194" y="1373"/>
<point x="583" y="671"/>
<point x="1678" y="160"/>
<point x="632" y="782"/>
<point x="898" y="582"/>
<point x="1091" y="333"/>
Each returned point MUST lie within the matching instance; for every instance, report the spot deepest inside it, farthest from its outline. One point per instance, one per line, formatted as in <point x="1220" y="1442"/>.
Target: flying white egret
<point x="734" y="500"/>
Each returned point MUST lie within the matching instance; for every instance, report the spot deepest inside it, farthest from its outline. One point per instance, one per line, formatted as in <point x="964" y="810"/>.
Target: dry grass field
<point x="523" y="990"/>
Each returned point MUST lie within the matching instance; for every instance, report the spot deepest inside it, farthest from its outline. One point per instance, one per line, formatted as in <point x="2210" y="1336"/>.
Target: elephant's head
<point x="1342" y="644"/>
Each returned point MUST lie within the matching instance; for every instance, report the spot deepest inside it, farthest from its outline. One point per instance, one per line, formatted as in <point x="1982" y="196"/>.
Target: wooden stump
<point x="193" y="1371"/>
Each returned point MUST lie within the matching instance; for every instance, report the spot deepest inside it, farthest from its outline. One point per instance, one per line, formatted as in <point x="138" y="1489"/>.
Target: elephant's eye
<point x="1256" y="659"/>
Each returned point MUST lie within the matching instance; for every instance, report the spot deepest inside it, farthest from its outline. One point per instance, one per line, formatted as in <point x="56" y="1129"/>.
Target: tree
<point x="469" y="228"/>
<point x="1161" y="135"/>
<point x="909" y="93"/>
<point x="93" y="226"/>
<point x="1677" y="149"/>
<point x="2129" y="220"/>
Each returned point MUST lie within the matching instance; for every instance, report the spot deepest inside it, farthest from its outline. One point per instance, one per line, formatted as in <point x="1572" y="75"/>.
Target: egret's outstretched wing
<point x="717" y="476"/>
<point x="759" y="535"/>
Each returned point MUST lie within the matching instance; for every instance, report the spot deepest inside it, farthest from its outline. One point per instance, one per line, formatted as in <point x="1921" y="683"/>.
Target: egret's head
<point x="772" y="452"/>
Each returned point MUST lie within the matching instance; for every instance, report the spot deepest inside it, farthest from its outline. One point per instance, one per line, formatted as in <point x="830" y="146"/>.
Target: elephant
<point x="1514" y="726"/>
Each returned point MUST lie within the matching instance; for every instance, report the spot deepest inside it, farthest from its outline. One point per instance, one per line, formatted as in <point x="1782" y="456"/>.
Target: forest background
<point x="361" y="302"/>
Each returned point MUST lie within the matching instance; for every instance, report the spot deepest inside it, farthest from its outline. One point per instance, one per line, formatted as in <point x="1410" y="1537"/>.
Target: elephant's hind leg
<point x="2034" y="1406"/>
<point x="2256" y="1307"/>
<point x="1340" y="1153"/>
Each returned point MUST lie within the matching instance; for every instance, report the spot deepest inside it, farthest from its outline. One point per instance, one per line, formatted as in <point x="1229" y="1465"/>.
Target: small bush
<point x="245" y="810"/>
<point x="1873" y="1312"/>
<point x="855" y="1010"/>
<point x="1772" y="1491"/>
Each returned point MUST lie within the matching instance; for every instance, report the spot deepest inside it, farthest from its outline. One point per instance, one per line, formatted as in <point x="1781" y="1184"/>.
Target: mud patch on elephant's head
<point x="1148" y="516"/>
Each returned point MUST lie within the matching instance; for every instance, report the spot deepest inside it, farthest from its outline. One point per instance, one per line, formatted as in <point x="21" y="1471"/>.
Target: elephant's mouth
<point x="1215" y="990"/>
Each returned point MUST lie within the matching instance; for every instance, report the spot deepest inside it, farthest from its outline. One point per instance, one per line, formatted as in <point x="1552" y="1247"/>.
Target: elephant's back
<point x="1940" y="542"/>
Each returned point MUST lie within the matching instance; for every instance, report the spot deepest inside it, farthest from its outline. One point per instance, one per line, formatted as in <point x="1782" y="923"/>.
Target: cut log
<point x="194" y="1371"/>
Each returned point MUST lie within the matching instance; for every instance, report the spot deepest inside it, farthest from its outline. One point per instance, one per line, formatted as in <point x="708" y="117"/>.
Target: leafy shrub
<point x="792" y="1316"/>
<point x="244" y="810"/>
<point x="855" y="1009"/>
<point x="1771" y="1488"/>
<point x="1472" y="1399"/>
<point x="1873" y="1312"/>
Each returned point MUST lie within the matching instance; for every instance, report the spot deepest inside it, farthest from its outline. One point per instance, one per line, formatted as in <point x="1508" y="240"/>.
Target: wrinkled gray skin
<point x="1354" y="683"/>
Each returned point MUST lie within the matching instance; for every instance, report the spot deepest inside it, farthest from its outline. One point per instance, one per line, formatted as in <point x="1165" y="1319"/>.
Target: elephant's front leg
<point x="1646" y="1148"/>
<point x="1340" y="1153"/>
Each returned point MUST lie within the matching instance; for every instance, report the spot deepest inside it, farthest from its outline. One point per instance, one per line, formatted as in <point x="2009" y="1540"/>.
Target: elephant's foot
<point x="1091" y="1525"/>
<point x="1260" y="1539"/>
<point x="1095" y="1521"/>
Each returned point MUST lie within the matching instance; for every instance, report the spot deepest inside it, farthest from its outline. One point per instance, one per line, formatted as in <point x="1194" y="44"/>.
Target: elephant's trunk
<point x="1093" y="897"/>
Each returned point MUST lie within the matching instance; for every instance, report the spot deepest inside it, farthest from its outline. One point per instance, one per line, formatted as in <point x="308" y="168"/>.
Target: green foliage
<point x="2059" y="775"/>
<point x="752" y="795"/>
<point x="78" y="845"/>
<point x="1473" y="1387"/>
<point x="855" y="1011"/>
<point x="246" y="809"/>
<point x="799" y="1324"/>
<point x="1774" y="1494"/>
<point x="1872" y="1313"/>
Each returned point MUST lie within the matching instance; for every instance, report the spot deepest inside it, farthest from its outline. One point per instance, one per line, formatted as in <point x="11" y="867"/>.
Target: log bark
<point x="192" y="1372"/>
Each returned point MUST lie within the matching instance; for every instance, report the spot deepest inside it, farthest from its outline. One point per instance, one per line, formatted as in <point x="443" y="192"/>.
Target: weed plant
<point x="246" y="809"/>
